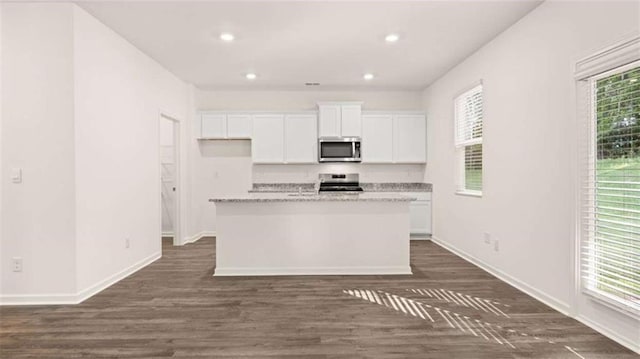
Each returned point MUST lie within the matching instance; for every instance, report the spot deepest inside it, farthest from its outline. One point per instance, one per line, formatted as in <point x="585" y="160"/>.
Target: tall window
<point x="611" y="252"/>
<point x="468" y="141"/>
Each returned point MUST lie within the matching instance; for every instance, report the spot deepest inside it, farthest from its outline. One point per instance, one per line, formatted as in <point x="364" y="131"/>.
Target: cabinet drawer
<point x="421" y="196"/>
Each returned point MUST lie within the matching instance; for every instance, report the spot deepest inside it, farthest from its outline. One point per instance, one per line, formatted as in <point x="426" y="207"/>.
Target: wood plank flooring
<point x="175" y="308"/>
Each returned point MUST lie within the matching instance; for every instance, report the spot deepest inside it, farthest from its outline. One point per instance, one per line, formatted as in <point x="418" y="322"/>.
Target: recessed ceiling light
<point x="251" y="76"/>
<point x="226" y="37"/>
<point x="392" y="38"/>
<point x="368" y="77"/>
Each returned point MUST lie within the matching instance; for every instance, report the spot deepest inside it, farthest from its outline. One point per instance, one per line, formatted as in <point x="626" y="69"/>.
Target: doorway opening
<point x="169" y="179"/>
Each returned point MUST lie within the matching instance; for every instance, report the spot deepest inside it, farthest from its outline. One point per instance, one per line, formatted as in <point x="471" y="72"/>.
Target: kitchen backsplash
<point x="309" y="173"/>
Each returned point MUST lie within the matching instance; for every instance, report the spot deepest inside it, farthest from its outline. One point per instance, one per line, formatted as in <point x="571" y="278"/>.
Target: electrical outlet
<point x="17" y="264"/>
<point x="487" y="238"/>
<point x="496" y="245"/>
<point x="127" y="243"/>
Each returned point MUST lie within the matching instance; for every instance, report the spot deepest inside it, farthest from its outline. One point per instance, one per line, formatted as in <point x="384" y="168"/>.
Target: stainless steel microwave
<point x="339" y="149"/>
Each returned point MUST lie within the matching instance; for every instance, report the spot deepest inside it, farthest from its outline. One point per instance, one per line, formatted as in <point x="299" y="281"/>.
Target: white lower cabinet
<point x="420" y="214"/>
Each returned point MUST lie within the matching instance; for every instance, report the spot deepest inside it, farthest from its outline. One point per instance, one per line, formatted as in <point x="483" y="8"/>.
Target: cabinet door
<point x="214" y="126"/>
<point x="300" y="139"/>
<point x="267" y="143"/>
<point x="420" y="217"/>
<point x="239" y="126"/>
<point x="377" y="138"/>
<point x="351" y="125"/>
<point x="410" y="139"/>
<point x="329" y="120"/>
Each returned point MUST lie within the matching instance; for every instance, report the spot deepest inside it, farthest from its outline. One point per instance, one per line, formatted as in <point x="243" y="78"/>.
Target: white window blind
<point x="610" y="254"/>
<point x="468" y="140"/>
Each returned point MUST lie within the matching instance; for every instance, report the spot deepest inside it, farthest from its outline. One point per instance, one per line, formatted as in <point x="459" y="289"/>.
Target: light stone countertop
<point x="314" y="197"/>
<point x="367" y="187"/>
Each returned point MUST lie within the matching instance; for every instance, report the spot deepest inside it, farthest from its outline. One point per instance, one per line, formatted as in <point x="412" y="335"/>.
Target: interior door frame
<point x="177" y="220"/>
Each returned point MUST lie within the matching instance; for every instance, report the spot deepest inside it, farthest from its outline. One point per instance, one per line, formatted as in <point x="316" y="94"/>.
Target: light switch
<point x="16" y="175"/>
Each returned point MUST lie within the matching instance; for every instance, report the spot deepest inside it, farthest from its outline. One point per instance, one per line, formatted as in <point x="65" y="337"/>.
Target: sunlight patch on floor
<point x="471" y="326"/>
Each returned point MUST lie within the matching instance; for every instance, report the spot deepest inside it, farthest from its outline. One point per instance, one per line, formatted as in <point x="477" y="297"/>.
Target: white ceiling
<point x="290" y="43"/>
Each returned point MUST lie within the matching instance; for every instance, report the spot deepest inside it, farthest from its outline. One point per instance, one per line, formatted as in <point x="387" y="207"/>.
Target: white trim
<point x="199" y="236"/>
<point x="621" y="53"/>
<point x="167" y="234"/>
<point x="543" y="297"/>
<point x="275" y="271"/>
<point x="109" y="281"/>
<point x="468" y="88"/>
<point x="79" y="297"/>
<point x="612" y="302"/>
<point x="469" y="193"/>
<point x="178" y="205"/>
<point x="634" y="346"/>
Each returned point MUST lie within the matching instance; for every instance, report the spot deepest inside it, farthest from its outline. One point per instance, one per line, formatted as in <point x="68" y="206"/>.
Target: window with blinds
<point x="610" y="255"/>
<point x="468" y="140"/>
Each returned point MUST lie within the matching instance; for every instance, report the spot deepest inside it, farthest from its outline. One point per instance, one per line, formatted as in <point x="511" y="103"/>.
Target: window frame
<point x="589" y="192"/>
<point x="613" y="59"/>
<point x="460" y="146"/>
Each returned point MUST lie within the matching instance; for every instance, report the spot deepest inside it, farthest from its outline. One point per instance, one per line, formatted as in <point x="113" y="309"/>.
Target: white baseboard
<point x="554" y="303"/>
<point x="545" y="298"/>
<point x="61" y="299"/>
<point x="634" y="346"/>
<point x="38" y="299"/>
<point x="107" y="282"/>
<point x="277" y="271"/>
<point x="198" y="236"/>
<point x="167" y="234"/>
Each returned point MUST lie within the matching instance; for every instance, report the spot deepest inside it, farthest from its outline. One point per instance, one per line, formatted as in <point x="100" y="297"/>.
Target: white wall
<point x="81" y="117"/>
<point x="38" y="222"/>
<point x="305" y="100"/>
<point x="530" y="146"/>
<point x="225" y="167"/>
<point x="120" y="93"/>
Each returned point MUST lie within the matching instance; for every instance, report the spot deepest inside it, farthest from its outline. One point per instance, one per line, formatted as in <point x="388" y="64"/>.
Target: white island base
<point x="312" y="238"/>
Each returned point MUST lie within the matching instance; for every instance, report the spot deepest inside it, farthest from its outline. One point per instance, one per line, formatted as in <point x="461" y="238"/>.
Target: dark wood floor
<point x="175" y="308"/>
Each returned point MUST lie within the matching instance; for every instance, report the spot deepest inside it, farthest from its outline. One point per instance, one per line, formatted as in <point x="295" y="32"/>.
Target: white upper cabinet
<point x="377" y="138"/>
<point x="213" y="126"/>
<point x="410" y="138"/>
<point x="330" y="117"/>
<point x="387" y="137"/>
<point x="351" y="124"/>
<point x="340" y="119"/>
<point x="225" y="126"/>
<point x="267" y="145"/>
<point x="300" y="138"/>
<point x="239" y="126"/>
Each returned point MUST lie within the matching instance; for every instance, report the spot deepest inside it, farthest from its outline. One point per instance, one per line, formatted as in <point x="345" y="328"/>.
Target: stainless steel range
<point x="344" y="183"/>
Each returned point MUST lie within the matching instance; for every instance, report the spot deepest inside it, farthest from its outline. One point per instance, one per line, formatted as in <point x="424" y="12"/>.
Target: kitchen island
<point x="307" y="233"/>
